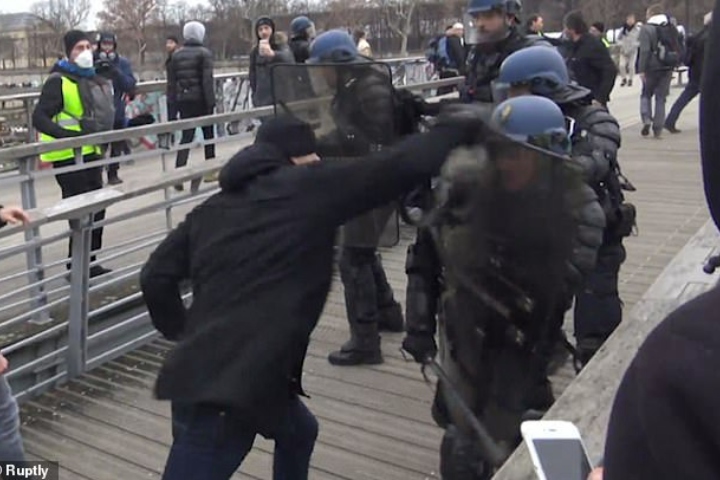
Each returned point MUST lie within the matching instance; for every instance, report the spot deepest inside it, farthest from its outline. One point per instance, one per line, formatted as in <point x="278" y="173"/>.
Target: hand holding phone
<point x="556" y="449"/>
<point x="265" y="48"/>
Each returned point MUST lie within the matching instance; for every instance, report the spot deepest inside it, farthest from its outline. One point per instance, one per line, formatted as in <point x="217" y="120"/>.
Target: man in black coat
<point x="695" y="60"/>
<point x="589" y="60"/>
<point x="259" y="255"/>
<point x="192" y="87"/>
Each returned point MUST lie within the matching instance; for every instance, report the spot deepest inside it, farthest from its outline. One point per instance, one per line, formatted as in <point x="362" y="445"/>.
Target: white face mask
<point x="85" y="59"/>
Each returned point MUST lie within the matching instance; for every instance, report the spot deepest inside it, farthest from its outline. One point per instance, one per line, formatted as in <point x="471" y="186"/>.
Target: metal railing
<point x="57" y="323"/>
<point x="232" y="92"/>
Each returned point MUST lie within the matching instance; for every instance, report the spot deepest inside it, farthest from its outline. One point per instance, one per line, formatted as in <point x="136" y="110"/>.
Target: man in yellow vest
<point x="58" y="115"/>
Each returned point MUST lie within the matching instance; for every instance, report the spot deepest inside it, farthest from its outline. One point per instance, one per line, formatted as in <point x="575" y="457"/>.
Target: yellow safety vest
<point x="68" y="119"/>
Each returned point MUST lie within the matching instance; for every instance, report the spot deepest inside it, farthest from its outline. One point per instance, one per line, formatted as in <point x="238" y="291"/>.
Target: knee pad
<point x="460" y="459"/>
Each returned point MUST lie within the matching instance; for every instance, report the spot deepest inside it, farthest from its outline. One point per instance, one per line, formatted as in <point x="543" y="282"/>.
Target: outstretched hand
<point x="14" y="215"/>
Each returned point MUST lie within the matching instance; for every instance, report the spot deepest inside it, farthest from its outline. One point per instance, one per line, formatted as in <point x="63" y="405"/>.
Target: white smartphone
<point x="556" y="449"/>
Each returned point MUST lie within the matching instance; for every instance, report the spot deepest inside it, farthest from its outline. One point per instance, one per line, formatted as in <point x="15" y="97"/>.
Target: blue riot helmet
<point x="474" y="34"/>
<point x="302" y="26"/>
<point x="533" y="122"/>
<point x="334" y="46"/>
<point x="541" y="69"/>
<point x="510" y="7"/>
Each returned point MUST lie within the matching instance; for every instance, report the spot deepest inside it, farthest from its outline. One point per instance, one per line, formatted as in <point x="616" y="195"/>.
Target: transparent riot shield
<point x="504" y="230"/>
<point x="504" y="211"/>
<point x="350" y="107"/>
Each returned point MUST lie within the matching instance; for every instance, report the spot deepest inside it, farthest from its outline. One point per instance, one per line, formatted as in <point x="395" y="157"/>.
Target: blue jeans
<point x="11" y="446"/>
<point x="692" y="90"/>
<point x="657" y="85"/>
<point x="210" y="443"/>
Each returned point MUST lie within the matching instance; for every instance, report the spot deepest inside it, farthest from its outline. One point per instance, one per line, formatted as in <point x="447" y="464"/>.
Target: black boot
<point x="361" y="304"/>
<point x="586" y="349"/>
<point x="390" y="315"/>
<point x="363" y="348"/>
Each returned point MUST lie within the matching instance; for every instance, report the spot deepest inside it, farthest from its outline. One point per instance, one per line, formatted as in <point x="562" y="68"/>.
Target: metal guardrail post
<point x="34" y="257"/>
<point x="28" y="105"/>
<point x="165" y="141"/>
<point x="79" y="295"/>
<point x="219" y="128"/>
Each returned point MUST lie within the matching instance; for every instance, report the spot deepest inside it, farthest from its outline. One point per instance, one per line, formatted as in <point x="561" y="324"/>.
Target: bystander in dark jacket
<point x="192" y="86"/>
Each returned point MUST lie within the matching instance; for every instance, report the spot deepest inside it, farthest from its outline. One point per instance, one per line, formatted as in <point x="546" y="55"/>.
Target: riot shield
<point x="350" y="107"/>
<point x="504" y="212"/>
<point x="504" y="230"/>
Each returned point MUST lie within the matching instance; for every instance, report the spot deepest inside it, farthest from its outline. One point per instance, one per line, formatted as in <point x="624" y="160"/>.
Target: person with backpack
<point x="63" y="111"/>
<point x="447" y="54"/>
<point x="659" y="55"/>
<point x="694" y="59"/>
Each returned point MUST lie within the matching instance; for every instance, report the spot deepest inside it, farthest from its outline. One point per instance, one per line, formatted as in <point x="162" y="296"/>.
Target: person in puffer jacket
<point x="270" y="50"/>
<point x="191" y="87"/>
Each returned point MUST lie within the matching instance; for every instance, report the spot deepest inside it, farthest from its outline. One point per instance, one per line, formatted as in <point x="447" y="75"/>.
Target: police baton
<point x="493" y="452"/>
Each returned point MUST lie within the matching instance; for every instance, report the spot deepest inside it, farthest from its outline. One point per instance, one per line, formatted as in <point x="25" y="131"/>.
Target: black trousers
<point x="191" y="110"/>
<point x="117" y="149"/>
<point x="76" y="183"/>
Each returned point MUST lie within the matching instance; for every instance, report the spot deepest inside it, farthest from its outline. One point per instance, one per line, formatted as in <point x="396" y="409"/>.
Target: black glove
<point x="144" y="119"/>
<point x="420" y="345"/>
<point x="473" y="118"/>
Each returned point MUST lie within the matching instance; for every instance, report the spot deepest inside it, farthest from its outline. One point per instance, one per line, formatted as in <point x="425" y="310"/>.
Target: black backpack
<point x="669" y="48"/>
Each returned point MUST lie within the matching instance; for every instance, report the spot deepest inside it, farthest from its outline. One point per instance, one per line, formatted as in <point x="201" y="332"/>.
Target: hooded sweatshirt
<point x="260" y="81"/>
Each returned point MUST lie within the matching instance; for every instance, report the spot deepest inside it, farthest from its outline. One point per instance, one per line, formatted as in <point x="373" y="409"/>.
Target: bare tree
<point x="399" y="17"/>
<point x="132" y="17"/>
<point x="59" y="16"/>
<point x="346" y="13"/>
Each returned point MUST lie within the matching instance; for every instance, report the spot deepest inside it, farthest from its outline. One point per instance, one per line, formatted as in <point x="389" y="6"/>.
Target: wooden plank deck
<point x="375" y="421"/>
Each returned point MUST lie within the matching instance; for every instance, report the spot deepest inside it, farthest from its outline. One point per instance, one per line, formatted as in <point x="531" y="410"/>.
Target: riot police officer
<point x="595" y="136"/>
<point x="513" y="226"/>
<point x="497" y="34"/>
<point x="363" y="114"/>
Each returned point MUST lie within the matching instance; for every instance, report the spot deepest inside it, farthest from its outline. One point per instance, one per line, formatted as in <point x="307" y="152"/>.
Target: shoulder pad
<point x="598" y="121"/>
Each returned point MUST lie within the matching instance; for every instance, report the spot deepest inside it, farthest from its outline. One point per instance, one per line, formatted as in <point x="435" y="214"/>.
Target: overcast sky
<point x="10" y="6"/>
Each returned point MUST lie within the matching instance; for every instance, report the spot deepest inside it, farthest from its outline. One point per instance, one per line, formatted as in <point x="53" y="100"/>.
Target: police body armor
<point x="484" y="61"/>
<point x="352" y="110"/>
<point x="504" y="229"/>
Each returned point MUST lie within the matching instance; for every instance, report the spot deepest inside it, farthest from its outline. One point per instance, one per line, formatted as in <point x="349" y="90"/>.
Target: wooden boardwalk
<point x="374" y="421"/>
